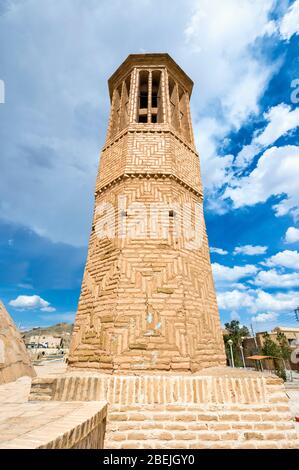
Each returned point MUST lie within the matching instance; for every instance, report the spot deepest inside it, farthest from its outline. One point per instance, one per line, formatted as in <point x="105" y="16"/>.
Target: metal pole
<point x="231" y="354"/>
<point x="285" y="367"/>
<point x="254" y="337"/>
<point x="242" y="353"/>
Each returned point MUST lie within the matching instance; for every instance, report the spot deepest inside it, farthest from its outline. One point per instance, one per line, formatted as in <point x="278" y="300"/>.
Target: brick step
<point x="198" y="426"/>
<point x="198" y="408"/>
<point x="154" y="444"/>
<point x="193" y="416"/>
<point x="201" y="435"/>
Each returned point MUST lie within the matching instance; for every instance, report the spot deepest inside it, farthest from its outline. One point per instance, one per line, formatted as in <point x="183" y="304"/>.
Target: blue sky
<point x="55" y="59"/>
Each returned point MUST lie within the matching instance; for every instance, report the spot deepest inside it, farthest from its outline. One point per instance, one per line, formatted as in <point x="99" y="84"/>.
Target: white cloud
<point x="233" y="300"/>
<point x="276" y="174"/>
<point x="275" y="302"/>
<point x="258" y="301"/>
<point x="281" y="120"/>
<point x="238" y="286"/>
<point x="286" y="258"/>
<point x="225" y="47"/>
<point x="246" y="154"/>
<point x="250" y="250"/>
<point x="219" y="251"/>
<point x="263" y="317"/>
<point x="48" y="309"/>
<point x="225" y="273"/>
<point x="208" y="132"/>
<point x="290" y="22"/>
<point x="31" y="302"/>
<point x="272" y="278"/>
<point x="292" y="235"/>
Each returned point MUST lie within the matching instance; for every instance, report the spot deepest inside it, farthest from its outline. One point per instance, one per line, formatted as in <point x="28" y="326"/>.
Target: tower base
<point x="217" y="408"/>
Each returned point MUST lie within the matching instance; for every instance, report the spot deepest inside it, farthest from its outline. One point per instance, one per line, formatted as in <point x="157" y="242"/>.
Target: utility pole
<point x="242" y="352"/>
<point x="230" y="342"/>
<point x="254" y="337"/>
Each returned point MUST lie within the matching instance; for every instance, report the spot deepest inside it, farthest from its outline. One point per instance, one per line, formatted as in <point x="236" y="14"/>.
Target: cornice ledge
<point x="147" y="175"/>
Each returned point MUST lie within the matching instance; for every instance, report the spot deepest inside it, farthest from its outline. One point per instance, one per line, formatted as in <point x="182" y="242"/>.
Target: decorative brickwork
<point x="148" y="301"/>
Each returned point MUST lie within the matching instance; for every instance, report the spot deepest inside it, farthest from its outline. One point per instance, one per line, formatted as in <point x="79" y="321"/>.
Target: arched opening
<point x="156" y="98"/>
<point x="143" y="96"/>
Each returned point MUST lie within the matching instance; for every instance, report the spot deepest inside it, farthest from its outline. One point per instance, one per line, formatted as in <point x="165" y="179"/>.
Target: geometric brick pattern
<point x="148" y="302"/>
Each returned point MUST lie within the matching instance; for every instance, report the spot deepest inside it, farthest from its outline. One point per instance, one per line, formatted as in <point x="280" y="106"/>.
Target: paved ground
<point x="25" y="424"/>
<point x="32" y="425"/>
<point x="292" y="387"/>
<point x="15" y="392"/>
<point x="49" y="368"/>
<point x="293" y="394"/>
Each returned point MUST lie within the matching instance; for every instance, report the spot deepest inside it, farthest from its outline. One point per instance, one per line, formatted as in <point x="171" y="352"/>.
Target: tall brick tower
<point x="148" y="301"/>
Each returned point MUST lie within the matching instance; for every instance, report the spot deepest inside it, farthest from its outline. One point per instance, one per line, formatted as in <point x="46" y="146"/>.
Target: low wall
<point x="156" y="389"/>
<point x="218" y="409"/>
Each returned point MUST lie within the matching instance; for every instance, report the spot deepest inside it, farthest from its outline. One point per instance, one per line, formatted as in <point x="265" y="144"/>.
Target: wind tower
<point x="148" y="301"/>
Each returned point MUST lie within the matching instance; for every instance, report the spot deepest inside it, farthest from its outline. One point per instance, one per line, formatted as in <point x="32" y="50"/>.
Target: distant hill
<point x="60" y="329"/>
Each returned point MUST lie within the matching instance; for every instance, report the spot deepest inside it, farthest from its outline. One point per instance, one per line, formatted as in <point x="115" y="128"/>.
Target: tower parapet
<point x="150" y="89"/>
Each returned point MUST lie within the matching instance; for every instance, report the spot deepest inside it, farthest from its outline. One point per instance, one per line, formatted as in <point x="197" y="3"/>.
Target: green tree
<point x="273" y="349"/>
<point x="270" y="348"/>
<point x="235" y="332"/>
<point x="286" y="350"/>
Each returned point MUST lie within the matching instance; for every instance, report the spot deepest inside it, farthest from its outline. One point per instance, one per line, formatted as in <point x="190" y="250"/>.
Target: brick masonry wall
<point x="125" y="277"/>
<point x="158" y="389"/>
<point x="193" y="426"/>
<point x="162" y="411"/>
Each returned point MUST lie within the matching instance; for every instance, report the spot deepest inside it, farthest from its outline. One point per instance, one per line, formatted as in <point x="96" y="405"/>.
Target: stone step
<point x="198" y="408"/>
<point x="154" y="444"/>
<point x="201" y="435"/>
<point x="189" y="417"/>
<point x="197" y="426"/>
